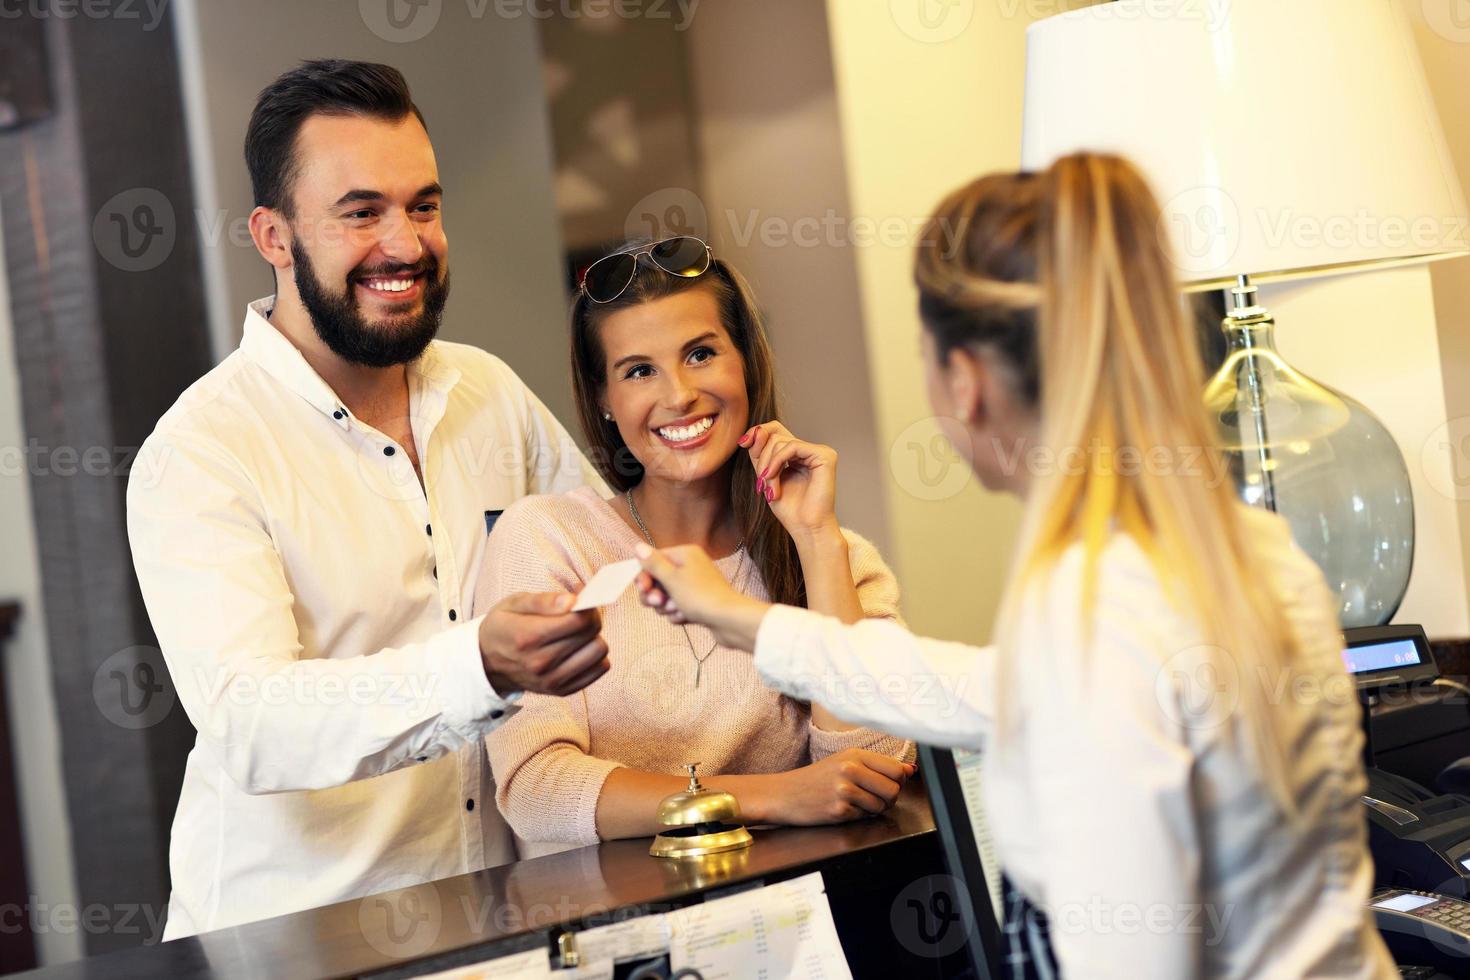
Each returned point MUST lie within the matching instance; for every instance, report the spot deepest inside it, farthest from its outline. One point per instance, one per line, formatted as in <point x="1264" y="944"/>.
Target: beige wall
<point x="924" y="107"/>
<point x="1444" y="46"/>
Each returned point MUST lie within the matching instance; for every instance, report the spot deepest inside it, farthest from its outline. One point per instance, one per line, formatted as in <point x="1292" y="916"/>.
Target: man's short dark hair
<point x="329" y="86"/>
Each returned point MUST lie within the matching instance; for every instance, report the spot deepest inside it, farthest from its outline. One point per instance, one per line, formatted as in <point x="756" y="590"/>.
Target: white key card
<point x="609" y="583"/>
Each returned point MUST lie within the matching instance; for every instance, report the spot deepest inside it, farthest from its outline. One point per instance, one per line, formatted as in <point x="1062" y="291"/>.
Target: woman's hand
<point x="847" y="785"/>
<point x="798" y="479"/>
<point x="684" y="584"/>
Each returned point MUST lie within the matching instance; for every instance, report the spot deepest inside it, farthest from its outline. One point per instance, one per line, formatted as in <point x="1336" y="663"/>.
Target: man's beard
<point x="340" y="324"/>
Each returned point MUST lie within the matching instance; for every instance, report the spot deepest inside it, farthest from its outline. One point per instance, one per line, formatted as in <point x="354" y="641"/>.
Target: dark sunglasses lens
<point x="685" y="257"/>
<point x="606" y="278"/>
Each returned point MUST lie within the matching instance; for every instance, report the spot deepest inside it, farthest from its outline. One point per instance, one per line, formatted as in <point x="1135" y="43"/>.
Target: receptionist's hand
<point x="685" y="585"/>
<point x="533" y="642"/>
<point x="798" y="479"/>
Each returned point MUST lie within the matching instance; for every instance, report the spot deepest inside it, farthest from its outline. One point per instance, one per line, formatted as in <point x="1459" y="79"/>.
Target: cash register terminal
<point x="1420" y="839"/>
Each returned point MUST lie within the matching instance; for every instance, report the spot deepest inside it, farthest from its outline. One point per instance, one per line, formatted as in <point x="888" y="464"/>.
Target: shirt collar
<point x="269" y="348"/>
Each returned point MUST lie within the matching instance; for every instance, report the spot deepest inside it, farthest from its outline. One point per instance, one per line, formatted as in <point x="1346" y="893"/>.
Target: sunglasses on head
<point x="607" y="278"/>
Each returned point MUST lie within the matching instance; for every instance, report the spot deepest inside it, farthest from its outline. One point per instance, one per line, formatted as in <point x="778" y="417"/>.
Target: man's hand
<point x="530" y="642"/>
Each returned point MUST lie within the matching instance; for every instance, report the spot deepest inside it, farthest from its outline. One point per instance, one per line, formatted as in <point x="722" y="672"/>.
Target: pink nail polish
<point x="770" y="493"/>
<point x="760" y="485"/>
<point x="764" y="472"/>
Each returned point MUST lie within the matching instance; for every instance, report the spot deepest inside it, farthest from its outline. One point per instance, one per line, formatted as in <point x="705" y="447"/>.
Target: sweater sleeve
<point x="877" y="590"/>
<point x="546" y="782"/>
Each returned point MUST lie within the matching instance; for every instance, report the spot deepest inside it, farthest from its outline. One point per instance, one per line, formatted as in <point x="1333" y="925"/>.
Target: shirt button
<point x="429" y="530"/>
<point x="423" y="758"/>
<point x="388" y="450"/>
<point x="469" y="804"/>
<point x="496" y="713"/>
<point x="436" y="571"/>
<point x="452" y="615"/>
<point x="337" y="415"/>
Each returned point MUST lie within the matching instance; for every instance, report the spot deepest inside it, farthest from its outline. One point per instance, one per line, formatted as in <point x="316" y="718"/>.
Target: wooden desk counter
<point x="498" y="911"/>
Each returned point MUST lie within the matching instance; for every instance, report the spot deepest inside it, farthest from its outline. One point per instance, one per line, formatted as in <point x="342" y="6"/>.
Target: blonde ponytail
<point x="1116" y="369"/>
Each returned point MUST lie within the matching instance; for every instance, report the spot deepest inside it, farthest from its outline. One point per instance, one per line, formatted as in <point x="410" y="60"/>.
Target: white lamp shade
<point x="1282" y="137"/>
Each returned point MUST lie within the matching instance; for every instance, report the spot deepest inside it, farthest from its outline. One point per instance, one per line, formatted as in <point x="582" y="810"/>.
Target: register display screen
<point x="1381" y="656"/>
<point x="1404" y="903"/>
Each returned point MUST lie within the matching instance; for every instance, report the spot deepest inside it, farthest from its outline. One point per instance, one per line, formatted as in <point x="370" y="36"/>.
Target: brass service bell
<point x="700" y="821"/>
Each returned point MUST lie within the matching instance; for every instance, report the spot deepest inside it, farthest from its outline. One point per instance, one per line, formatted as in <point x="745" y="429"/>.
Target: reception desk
<point x="877" y="874"/>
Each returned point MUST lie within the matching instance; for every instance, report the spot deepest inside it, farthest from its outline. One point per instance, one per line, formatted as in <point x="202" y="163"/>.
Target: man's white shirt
<point x="311" y="599"/>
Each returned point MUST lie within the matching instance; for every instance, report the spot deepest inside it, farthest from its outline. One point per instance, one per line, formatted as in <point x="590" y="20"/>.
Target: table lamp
<point x="1284" y="139"/>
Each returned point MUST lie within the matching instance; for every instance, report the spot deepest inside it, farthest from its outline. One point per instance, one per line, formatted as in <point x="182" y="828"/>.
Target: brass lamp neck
<point x="1247" y="324"/>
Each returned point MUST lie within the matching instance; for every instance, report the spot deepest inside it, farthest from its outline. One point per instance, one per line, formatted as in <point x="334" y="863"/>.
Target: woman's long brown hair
<point x="771" y="549"/>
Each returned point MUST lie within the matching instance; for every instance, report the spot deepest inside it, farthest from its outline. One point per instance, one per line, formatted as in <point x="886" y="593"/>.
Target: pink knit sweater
<point x="551" y="758"/>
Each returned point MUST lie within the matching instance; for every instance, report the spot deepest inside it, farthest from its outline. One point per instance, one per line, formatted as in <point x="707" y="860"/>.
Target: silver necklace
<point x="698" y="660"/>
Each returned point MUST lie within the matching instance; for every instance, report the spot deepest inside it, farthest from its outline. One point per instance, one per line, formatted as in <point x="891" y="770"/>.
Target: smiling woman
<point x="676" y="393"/>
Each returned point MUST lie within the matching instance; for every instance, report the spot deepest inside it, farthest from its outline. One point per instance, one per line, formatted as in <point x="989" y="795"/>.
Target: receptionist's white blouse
<point x="1125" y="805"/>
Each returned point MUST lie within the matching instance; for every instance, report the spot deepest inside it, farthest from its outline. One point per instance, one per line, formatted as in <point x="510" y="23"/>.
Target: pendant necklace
<point x="698" y="660"/>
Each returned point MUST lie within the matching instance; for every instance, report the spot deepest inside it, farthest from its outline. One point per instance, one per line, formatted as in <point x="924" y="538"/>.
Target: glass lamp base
<point x="1323" y="462"/>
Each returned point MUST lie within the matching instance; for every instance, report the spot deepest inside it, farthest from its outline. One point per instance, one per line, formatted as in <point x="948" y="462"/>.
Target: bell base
<point x="698" y="841"/>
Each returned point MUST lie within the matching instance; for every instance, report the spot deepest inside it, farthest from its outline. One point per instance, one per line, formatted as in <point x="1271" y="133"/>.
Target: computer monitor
<point x="952" y="778"/>
<point x="1381" y="656"/>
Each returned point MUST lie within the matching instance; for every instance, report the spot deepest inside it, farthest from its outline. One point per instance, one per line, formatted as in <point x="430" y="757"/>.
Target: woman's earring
<point x="607" y="415"/>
